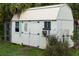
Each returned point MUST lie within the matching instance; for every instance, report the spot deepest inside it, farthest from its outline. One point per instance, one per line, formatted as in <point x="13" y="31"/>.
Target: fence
<point x="4" y="30"/>
<point x="1" y="31"/>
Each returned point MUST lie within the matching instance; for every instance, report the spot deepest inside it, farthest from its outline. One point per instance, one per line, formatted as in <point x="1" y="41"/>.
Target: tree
<point x="75" y="10"/>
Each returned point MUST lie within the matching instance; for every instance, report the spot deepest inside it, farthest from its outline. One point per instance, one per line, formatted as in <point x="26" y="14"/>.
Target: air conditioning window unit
<point x="46" y="33"/>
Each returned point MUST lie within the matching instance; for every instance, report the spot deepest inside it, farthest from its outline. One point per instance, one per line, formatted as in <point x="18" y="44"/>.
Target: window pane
<point x="47" y="25"/>
<point x="16" y="26"/>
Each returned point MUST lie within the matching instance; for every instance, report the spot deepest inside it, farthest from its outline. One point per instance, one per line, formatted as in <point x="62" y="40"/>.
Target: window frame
<point x="47" y="25"/>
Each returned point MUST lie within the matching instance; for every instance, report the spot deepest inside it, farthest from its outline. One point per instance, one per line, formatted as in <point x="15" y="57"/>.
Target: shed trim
<point x="45" y="7"/>
<point x="45" y="20"/>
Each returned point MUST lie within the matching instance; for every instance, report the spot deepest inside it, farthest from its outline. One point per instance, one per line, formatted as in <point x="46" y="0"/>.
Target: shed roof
<point x="41" y="13"/>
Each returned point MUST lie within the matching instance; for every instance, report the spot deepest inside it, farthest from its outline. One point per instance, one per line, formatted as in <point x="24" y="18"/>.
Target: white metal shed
<point x="28" y="28"/>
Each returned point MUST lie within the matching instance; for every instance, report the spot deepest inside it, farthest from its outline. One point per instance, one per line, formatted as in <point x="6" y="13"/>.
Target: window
<point x="47" y="25"/>
<point x="16" y="26"/>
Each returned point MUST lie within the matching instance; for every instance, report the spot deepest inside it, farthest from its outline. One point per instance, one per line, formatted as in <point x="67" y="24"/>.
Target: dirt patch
<point x="23" y="50"/>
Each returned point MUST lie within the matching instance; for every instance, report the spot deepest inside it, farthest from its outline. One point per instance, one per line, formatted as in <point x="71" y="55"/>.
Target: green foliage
<point x="76" y="33"/>
<point x="75" y="10"/>
<point x="56" y="48"/>
<point x="8" y="10"/>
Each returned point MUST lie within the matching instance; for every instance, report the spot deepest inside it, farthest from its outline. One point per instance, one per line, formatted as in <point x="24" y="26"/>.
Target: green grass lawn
<point x="74" y="52"/>
<point x="8" y="49"/>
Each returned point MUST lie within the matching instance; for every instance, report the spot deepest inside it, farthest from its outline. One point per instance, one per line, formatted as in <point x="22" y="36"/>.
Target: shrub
<point x="75" y="33"/>
<point x="56" y="48"/>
